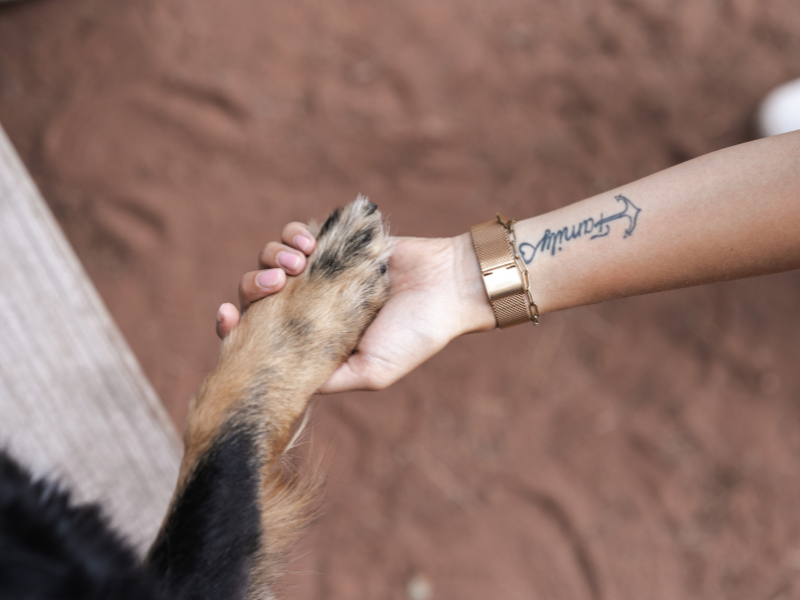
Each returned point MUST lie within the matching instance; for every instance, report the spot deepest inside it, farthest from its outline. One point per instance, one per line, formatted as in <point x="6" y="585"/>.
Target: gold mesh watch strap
<point x="501" y="276"/>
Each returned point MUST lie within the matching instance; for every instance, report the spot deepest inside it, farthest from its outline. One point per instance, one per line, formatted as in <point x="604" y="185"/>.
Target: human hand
<point x="275" y="261"/>
<point x="436" y="294"/>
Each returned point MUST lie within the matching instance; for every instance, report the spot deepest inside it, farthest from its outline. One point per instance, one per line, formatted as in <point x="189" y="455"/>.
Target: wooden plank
<point x="74" y="402"/>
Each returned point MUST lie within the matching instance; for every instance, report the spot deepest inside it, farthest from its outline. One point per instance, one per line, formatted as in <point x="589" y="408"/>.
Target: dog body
<point x="240" y="499"/>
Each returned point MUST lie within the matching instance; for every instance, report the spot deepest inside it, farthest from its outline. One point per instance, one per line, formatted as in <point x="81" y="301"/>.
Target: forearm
<point x="727" y="215"/>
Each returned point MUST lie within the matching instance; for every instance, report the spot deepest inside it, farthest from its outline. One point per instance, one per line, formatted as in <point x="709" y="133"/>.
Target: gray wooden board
<point x="74" y="402"/>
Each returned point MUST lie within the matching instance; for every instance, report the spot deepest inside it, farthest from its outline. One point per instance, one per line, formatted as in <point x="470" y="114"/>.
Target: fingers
<point x="291" y="254"/>
<point x="298" y="236"/>
<point x="227" y="320"/>
<point x="282" y="256"/>
<point x="252" y="287"/>
<point x="276" y="261"/>
<point x="256" y="285"/>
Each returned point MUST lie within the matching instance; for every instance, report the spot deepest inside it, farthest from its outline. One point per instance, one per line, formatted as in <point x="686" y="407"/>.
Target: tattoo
<point x="553" y="241"/>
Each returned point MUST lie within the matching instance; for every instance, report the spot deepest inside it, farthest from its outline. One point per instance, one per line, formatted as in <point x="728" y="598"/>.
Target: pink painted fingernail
<point x="219" y="314"/>
<point x="302" y="242"/>
<point x="288" y="260"/>
<point x="268" y="279"/>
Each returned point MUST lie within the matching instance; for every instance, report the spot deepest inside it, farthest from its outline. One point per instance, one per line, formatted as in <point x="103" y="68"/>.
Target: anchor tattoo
<point x="553" y="241"/>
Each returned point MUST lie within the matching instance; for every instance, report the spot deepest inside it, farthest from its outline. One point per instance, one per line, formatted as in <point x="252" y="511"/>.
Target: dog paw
<point x="351" y="235"/>
<point x="346" y="281"/>
<point x="315" y="322"/>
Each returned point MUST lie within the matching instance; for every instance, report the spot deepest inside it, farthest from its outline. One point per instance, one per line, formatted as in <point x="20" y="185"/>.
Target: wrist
<point x="475" y="309"/>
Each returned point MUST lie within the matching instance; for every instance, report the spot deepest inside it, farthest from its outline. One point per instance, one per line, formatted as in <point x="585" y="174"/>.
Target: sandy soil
<point x="646" y="448"/>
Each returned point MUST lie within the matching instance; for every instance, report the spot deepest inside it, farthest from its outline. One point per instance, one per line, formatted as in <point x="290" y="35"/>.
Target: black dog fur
<point x="53" y="549"/>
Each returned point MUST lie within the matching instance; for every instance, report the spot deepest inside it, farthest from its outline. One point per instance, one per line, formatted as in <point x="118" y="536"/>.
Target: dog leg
<point x="239" y="502"/>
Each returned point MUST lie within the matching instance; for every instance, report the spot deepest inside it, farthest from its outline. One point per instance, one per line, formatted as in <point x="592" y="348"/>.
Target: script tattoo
<point x="553" y="241"/>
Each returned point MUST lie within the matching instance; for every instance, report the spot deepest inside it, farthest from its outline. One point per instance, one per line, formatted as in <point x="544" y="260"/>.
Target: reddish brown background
<point x="646" y="448"/>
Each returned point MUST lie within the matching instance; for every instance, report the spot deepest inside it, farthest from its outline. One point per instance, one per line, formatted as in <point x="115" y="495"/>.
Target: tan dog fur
<point x="284" y="348"/>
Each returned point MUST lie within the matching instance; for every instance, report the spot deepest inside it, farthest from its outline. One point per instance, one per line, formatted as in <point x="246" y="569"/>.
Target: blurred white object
<point x="780" y="110"/>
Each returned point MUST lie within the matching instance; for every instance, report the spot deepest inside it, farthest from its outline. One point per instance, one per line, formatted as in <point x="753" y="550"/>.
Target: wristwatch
<point x="504" y="274"/>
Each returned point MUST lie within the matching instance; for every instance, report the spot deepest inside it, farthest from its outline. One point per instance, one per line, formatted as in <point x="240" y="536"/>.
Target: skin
<point x="728" y="215"/>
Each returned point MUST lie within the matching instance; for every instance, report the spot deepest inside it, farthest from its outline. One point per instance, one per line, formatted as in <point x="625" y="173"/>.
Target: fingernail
<point x="219" y="314"/>
<point x="288" y="260"/>
<point x="268" y="279"/>
<point x="302" y="242"/>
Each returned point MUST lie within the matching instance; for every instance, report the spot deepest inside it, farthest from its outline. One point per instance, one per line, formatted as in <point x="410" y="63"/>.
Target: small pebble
<point x="419" y="588"/>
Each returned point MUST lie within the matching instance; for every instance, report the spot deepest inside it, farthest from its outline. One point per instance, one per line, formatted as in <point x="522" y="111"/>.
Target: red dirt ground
<point x="646" y="448"/>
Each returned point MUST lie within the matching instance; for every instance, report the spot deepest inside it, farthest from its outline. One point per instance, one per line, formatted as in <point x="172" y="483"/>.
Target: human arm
<point x="731" y="214"/>
<point x="727" y="215"/>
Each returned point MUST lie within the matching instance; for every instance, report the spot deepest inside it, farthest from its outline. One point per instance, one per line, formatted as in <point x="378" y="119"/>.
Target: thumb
<point x="358" y="373"/>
